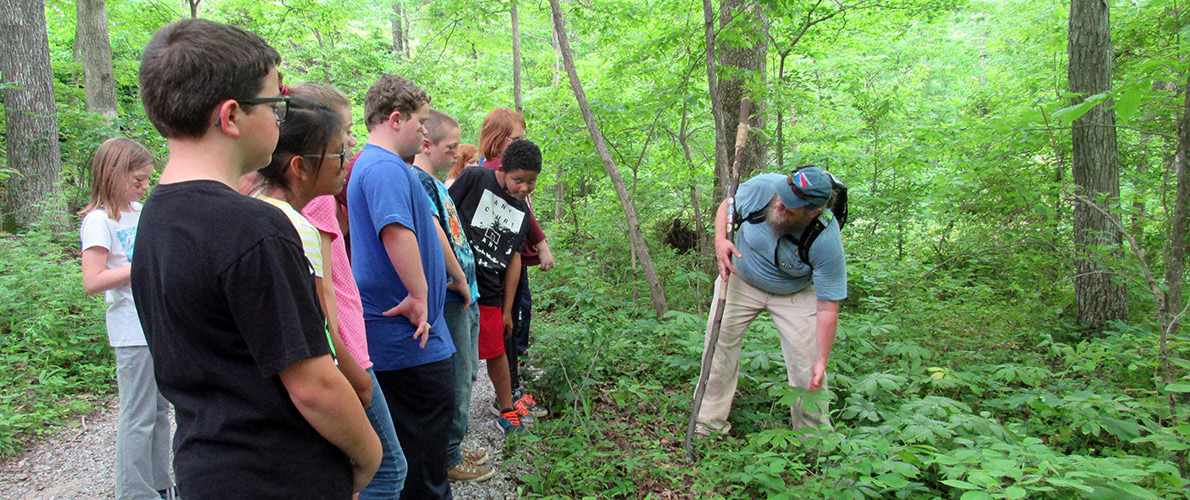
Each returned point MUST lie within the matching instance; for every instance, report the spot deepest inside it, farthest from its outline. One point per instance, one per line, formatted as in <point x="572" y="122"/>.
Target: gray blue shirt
<point x="786" y="274"/>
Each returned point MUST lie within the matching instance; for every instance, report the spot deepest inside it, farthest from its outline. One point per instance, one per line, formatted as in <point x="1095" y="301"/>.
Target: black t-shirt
<point x="227" y="301"/>
<point x="496" y="224"/>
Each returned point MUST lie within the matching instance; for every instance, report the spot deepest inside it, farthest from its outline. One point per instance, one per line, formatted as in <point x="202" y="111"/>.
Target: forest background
<point x="1016" y="243"/>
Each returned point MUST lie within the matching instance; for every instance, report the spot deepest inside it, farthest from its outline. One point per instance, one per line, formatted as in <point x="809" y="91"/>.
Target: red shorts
<point x="491" y="332"/>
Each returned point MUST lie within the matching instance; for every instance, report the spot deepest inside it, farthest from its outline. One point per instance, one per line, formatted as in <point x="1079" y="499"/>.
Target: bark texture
<point x="743" y="66"/>
<point x="33" y="194"/>
<point x="516" y="59"/>
<point x="95" y="52"/>
<point x="660" y="305"/>
<point x="1099" y="296"/>
<point x="400" y="32"/>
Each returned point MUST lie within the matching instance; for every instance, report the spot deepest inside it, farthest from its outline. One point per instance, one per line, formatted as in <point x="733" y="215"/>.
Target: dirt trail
<point x="75" y="463"/>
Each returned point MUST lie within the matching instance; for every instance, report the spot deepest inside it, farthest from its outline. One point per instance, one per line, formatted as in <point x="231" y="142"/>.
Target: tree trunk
<point x="722" y="160"/>
<point x="193" y="8"/>
<point x="749" y="63"/>
<point x="516" y="59"/>
<point x="1175" y="251"/>
<point x="660" y="306"/>
<point x="400" y="34"/>
<point x="95" y="52"/>
<point x="1100" y="297"/>
<point x="32" y="124"/>
<point x="781" y="114"/>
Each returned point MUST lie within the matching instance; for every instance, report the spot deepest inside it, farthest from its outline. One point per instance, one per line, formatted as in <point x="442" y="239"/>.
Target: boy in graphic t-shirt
<point x="492" y="206"/>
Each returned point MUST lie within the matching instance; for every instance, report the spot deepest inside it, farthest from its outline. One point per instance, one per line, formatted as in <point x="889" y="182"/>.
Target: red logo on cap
<point x="802" y="181"/>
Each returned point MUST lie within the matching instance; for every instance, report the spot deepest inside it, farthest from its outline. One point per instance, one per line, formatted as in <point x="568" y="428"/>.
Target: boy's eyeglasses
<point x="281" y="111"/>
<point x="342" y="156"/>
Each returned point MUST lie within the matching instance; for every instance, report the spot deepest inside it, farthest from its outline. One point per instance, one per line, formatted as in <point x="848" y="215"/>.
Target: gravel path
<point x="76" y="462"/>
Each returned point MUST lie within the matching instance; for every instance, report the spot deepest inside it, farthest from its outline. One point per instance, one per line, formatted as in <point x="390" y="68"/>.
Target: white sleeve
<point x="94" y="231"/>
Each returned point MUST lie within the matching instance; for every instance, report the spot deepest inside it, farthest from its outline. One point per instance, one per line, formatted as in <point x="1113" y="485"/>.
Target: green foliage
<point x="52" y="339"/>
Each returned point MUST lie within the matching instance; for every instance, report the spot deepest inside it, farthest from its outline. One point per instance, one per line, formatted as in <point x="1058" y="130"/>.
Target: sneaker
<point x="527" y="419"/>
<point x="170" y="493"/>
<point x="510" y="421"/>
<point x="530" y="407"/>
<point x="477" y="457"/>
<point x="529" y="373"/>
<point x="470" y="472"/>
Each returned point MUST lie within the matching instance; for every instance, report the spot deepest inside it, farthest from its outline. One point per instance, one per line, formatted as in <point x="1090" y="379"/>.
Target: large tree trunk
<point x="660" y="305"/>
<point x="32" y="124"/>
<point x="95" y="52"/>
<point x="516" y="59"/>
<point x="1100" y="297"/>
<point x="748" y="64"/>
<point x="193" y="8"/>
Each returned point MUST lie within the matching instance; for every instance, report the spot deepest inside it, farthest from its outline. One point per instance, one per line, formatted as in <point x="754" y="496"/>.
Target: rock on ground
<point x="75" y="463"/>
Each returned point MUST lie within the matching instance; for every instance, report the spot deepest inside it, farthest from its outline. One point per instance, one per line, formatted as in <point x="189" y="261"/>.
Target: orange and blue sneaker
<point x="530" y="407"/>
<point x="509" y="421"/>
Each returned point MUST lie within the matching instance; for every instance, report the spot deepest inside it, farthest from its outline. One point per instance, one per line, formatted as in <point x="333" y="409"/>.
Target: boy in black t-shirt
<point x="224" y="292"/>
<point x="492" y="206"/>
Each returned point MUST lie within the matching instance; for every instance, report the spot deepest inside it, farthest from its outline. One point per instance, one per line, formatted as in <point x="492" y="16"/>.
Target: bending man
<point x="802" y="296"/>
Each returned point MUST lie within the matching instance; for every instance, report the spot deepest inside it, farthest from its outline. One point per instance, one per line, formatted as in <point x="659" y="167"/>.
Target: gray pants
<point x="464" y="330"/>
<point x="142" y="433"/>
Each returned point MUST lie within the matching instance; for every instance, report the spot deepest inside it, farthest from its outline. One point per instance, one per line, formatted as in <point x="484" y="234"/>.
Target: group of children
<point x="316" y="317"/>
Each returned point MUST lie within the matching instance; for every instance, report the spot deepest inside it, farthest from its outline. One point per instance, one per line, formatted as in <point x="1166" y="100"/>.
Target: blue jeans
<point x="390" y="478"/>
<point x="464" y="330"/>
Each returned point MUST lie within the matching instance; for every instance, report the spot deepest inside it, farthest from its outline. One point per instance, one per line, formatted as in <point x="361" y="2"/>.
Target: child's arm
<point x="458" y="281"/>
<point x="359" y="379"/>
<point x="324" y="398"/>
<point x="547" y="258"/>
<point x="512" y="277"/>
<point x="401" y="245"/>
<point x="97" y="279"/>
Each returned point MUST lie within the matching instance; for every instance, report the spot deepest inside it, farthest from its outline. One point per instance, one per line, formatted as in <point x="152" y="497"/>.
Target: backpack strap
<point x="810" y="234"/>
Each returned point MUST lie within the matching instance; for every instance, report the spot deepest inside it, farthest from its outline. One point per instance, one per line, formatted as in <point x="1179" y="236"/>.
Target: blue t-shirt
<point x="448" y="218"/>
<point x="787" y="274"/>
<point x="384" y="190"/>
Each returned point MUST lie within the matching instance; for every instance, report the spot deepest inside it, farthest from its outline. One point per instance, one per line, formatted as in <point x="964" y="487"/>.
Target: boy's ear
<point x="425" y="145"/>
<point x="394" y="119"/>
<point x="226" y="117"/>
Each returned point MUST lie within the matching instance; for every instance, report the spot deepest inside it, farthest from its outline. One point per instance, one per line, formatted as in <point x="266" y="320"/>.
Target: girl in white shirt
<point x="120" y="174"/>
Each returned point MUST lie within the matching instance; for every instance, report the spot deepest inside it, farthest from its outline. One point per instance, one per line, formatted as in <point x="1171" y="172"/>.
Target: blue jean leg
<point x="464" y="330"/>
<point x="390" y="478"/>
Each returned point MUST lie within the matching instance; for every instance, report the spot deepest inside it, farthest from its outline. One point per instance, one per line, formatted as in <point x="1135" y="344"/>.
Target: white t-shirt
<point x="99" y="230"/>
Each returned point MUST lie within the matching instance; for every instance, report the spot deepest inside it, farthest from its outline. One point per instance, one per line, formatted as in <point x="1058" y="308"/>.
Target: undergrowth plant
<point x="53" y="346"/>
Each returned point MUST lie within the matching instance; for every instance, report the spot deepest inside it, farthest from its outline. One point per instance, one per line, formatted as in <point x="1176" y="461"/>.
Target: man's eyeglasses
<point x="281" y="110"/>
<point x="342" y="156"/>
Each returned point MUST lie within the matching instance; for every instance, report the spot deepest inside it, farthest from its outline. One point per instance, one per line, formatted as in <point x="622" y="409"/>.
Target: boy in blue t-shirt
<point x="398" y="265"/>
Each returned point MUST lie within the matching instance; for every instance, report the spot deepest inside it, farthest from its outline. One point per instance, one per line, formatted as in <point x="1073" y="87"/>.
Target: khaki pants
<point x="796" y="317"/>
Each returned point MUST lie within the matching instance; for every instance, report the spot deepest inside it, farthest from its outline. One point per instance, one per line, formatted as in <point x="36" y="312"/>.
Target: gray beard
<point x="781" y="223"/>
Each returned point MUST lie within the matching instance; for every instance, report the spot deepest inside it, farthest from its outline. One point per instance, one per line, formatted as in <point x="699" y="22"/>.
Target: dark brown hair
<point x="392" y="93"/>
<point x="115" y="159"/>
<point x="191" y="66"/>
<point x="308" y="129"/>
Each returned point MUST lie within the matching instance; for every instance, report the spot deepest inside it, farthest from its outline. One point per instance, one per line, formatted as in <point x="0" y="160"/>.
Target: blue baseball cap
<point x="805" y="186"/>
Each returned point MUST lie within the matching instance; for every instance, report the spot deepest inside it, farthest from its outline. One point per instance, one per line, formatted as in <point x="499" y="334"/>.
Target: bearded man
<point x="801" y="295"/>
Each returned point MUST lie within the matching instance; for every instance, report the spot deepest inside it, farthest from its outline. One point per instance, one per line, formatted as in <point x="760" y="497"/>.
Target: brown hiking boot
<point x="469" y="472"/>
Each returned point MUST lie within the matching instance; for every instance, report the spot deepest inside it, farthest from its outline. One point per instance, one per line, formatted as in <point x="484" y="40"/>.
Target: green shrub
<point x="53" y="344"/>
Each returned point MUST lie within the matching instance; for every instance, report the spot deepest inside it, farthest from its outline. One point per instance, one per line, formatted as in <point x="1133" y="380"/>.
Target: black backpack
<point x="838" y="210"/>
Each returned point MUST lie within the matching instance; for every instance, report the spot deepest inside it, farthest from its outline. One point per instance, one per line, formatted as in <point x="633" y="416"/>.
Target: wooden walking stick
<point x="708" y="354"/>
